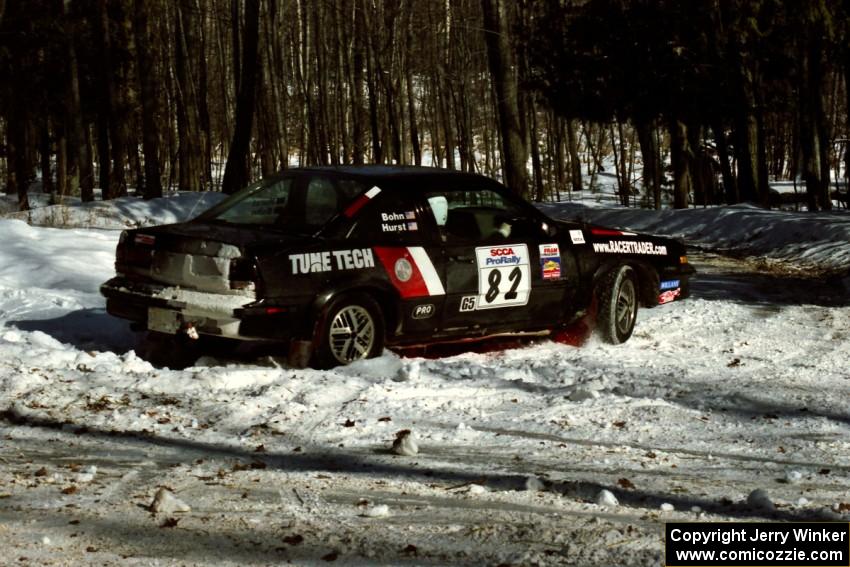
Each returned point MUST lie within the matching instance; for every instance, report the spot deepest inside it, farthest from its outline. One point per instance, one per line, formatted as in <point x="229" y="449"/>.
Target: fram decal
<point x="318" y="262"/>
<point x="425" y="311"/>
<point x="550" y="261"/>
<point x="549" y="250"/>
<point x="577" y="236"/>
<point x="670" y="284"/>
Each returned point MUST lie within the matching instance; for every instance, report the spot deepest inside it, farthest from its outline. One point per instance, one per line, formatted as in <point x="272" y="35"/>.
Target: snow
<point x="165" y="502"/>
<point x="729" y="406"/>
<point x="405" y="444"/>
<point x="759" y="499"/>
<point x="606" y="498"/>
<point x="806" y="241"/>
<point x="124" y="212"/>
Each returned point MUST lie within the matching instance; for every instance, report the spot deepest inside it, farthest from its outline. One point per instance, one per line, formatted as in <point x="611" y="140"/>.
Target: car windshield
<point x="293" y="204"/>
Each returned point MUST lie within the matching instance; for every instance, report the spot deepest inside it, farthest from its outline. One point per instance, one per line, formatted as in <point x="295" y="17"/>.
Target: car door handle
<point x="462" y="259"/>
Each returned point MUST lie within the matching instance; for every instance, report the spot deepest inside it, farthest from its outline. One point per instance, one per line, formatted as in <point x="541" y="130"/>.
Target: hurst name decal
<point x="629" y="247"/>
<point x="399" y="222"/>
<point x="316" y="262"/>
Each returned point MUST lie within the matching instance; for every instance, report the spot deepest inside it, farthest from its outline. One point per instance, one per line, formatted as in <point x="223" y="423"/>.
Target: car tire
<point x="350" y="328"/>
<point x="618" y="305"/>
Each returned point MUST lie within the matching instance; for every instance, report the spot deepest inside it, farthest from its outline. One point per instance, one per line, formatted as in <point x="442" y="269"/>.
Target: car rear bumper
<point x="172" y="310"/>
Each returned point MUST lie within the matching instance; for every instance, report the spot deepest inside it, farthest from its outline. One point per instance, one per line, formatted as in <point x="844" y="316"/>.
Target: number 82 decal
<point x="503" y="276"/>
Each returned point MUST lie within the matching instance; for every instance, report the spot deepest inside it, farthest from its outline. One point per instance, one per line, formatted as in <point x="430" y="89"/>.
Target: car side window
<point x="265" y="206"/>
<point x="322" y="201"/>
<point x="475" y="216"/>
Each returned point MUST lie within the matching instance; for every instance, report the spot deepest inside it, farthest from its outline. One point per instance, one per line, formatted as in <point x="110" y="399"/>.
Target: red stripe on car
<point x="361" y="201"/>
<point x="605" y="232"/>
<point x="415" y="286"/>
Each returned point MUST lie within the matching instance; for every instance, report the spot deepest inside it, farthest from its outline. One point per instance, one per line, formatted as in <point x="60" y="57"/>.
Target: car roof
<point x="392" y="176"/>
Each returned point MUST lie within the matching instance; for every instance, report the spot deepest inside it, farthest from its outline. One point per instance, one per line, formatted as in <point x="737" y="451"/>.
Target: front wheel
<point x="618" y="305"/>
<point x="351" y="328"/>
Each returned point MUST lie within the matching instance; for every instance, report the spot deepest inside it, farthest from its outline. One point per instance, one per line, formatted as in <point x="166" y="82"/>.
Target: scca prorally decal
<point x="629" y="247"/>
<point x="399" y="222"/>
<point x="317" y="262"/>
<point x="577" y="236"/>
<point x="504" y="277"/>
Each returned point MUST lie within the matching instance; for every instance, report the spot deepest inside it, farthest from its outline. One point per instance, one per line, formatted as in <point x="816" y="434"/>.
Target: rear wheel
<point x="351" y="328"/>
<point x="618" y="305"/>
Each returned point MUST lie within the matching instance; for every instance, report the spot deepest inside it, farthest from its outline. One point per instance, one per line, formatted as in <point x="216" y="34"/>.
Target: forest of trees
<point x="699" y="101"/>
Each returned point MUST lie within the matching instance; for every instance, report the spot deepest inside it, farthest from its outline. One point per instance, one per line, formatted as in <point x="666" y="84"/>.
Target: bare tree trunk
<point x="358" y="144"/>
<point x="150" y="101"/>
<point x="411" y="89"/>
<point x="651" y="166"/>
<point x="846" y="70"/>
<point x="237" y="173"/>
<point x="191" y="169"/>
<point x="749" y="148"/>
<point x="503" y="70"/>
<point x="69" y="134"/>
<point x="47" y="185"/>
<point x="62" y="185"/>
<point x="679" y="151"/>
<point x="535" y="154"/>
<point x="696" y="161"/>
<point x="813" y="136"/>
<point x="372" y="85"/>
<point x="16" y="140"/>
<point x="115" y="78"/>
<point x="730" y="186"/>
<point x="575" y="160"/>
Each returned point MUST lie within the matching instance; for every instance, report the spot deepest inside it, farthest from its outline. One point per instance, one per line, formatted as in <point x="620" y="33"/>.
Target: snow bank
<point x="49" y="281"/>
<point x="804" y="240"/>
<point x="126" y="212"/>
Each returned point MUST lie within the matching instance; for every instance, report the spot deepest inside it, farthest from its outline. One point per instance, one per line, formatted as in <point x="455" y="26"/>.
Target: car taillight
<point x="243" y="274"/>
<point x="683" y="259"/>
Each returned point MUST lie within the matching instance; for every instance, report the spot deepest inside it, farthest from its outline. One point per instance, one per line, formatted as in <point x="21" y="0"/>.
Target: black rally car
<point x="346" y="260"/>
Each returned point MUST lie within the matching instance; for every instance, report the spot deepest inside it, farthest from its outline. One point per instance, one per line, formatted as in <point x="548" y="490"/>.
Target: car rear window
<point x="296" y="204"/>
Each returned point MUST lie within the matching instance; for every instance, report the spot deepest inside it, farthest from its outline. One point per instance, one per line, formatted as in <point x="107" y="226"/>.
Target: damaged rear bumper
<point x="170" y="309"/>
